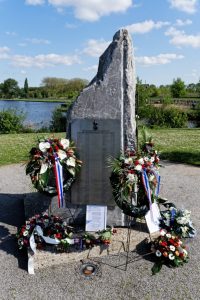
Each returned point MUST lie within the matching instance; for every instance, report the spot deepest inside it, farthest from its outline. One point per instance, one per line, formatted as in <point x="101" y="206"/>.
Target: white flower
<point x="158" y="253"/>
<point x="168" y="235"/>
<point x="171" y="256"/>
<point x="151" y="177"/>
<point x="20" y="241"/>
<point x="43" y="146"/>
<point x="172" y="248"/>
<point x="185" y="252"/>
<point x="25" y="233"/>
<point x="146" y="158"/>
<point x="138" y="168"/>
<point x="61" y="154"/>
<point x="163" y="232"/>
<point x="128" y="161"/>
<point x="44" y="167"/>
<point x="64" y="143"/>
<point x="141" y="161"/>
<point x="152" y="159"/>
<point x="131" y="177"/>
<point x="28" y="227"/>
<point x="71" y="162"/>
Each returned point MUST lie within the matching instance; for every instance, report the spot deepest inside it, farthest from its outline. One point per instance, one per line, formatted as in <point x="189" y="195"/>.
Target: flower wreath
<point x="135" y="180"/>
<point x="42" y="164"/>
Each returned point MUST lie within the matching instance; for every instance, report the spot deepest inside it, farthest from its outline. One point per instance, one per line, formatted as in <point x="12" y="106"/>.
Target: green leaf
<point x="156" y="267"/>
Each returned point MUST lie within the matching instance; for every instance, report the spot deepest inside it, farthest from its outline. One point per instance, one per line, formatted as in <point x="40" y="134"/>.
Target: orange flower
<point x="165" y="253"/>
<point x="176" y="253"/>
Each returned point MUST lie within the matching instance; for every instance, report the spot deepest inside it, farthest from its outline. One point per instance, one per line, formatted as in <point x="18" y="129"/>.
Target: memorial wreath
<point x="135" y="179"/>
<point x="53" y="165"/>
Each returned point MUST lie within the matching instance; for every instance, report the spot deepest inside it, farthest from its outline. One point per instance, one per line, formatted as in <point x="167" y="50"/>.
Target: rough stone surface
<point x="102" y="123"/>
<point x="111" y="94"/>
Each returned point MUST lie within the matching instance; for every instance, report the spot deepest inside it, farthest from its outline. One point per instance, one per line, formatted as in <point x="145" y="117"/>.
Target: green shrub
<point x="11" y="121"/>
<point x="163" y="116"/>
<point x="58" y="121"/>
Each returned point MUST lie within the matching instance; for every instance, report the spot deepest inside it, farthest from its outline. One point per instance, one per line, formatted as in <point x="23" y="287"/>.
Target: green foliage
<point x="58" y="121"/>
<point x="11" y="121"/>
<point x="10" y="88"/>
<point x="178" y="88"/>
<point x="163" y="116"/>
<point x="26" y="88"/>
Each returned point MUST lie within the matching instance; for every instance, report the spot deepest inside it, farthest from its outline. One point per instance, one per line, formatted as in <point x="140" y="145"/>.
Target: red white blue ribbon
<point x="146" y="185"/>
<point x="59" y="182"/>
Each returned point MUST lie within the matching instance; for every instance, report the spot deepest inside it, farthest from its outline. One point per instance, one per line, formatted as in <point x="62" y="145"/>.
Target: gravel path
<point x="180" y="184"/>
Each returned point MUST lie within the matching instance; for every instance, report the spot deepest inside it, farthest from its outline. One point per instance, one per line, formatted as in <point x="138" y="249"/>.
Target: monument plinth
<point x="102" y="124"/>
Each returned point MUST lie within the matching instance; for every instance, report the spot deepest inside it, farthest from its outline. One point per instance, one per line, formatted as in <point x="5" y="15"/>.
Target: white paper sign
<point x="153" y="218"/>
<point x="96" y="217"/>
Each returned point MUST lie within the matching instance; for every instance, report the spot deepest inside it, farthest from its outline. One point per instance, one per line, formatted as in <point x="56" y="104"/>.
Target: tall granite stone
<point x="102" y="123"/>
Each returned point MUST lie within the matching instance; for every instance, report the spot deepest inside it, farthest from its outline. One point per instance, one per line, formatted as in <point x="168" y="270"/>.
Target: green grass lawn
<point x="14" y="148"/>
<point x="179" y="145"/>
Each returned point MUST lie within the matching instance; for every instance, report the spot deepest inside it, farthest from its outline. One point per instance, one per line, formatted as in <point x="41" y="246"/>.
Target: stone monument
<point x="102" y="124"/>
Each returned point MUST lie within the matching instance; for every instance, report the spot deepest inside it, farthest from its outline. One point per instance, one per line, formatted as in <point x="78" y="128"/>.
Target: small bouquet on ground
<point x="178" y="221"/>
<point x="52" y="227"/>
<point x="43" y="158"/>
<point x="169" y="250"/>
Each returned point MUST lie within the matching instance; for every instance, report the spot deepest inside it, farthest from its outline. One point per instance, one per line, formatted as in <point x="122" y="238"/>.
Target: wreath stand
<point x="123" y="266"/>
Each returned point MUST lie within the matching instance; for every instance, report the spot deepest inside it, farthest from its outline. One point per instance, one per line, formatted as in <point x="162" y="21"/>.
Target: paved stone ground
<point x="180" y="184"/>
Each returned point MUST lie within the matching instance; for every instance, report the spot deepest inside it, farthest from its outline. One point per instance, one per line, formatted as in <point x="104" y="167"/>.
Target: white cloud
<point x="42" y="61"/>
<point x="188" y="6"/>
<point x="34" y="2"/>
<point x="88" y="10"/>
<point x="4" y="52"/>
<point x="180" y="38"/>
<point x="11" y="33"/>
<point x="38" y="41"/>
<point x="95" y="47"/>
<point x="146" y="26"/>
<point x="70" y="26"/>
<point x="160" y="59"/>
<point x="23" y="72"/>
<point x="181" y="23"/>
<point x="91" y="68"/>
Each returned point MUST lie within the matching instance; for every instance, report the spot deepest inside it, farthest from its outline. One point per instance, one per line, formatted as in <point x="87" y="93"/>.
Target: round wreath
<point x="127" y="181"/>
<point x="42" y="163"/>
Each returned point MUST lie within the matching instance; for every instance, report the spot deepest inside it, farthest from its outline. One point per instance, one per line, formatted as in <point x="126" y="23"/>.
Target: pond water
<point x="38" y="114"/>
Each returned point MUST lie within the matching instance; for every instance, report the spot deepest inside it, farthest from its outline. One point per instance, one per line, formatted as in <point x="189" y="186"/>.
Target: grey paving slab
<point x="180" y="183"/>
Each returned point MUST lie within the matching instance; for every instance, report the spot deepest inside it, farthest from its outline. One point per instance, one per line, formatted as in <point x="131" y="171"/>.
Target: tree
<point x="26" y="88"/>
<point x="177" y="88"/>
<point x="10" y="88"/>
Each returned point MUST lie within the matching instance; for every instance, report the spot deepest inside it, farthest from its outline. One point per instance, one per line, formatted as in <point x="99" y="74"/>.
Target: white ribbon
<point x="38" y="230"/>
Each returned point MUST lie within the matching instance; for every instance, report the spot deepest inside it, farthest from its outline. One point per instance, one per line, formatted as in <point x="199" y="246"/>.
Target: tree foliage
<point x="10" y="88"/>
<point x="178" y="88"/>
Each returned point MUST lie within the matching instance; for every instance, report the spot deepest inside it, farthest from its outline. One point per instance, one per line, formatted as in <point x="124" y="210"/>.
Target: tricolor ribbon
<point x="156" y="174"/>
<point x="146" y="185"/>
<point x="58" y="170"/>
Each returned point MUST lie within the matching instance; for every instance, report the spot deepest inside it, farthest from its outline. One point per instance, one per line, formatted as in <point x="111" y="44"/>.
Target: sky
<point x="64" y="38"/>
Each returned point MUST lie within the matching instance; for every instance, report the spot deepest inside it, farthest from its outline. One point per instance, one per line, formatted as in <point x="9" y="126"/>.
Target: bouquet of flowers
<point x="169" y="250"/>
<point x="41" y="166"/>
<point x="178" y="221"/>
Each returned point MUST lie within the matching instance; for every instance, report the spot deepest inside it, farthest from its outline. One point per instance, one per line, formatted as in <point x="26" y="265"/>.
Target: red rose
<point x="136" y="162"/>
<point x="58" y="236"/>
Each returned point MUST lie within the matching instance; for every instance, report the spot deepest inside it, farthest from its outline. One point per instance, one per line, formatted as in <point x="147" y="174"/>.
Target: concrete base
<point x="73" y="214"/>
<point x="49" y="257"/>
